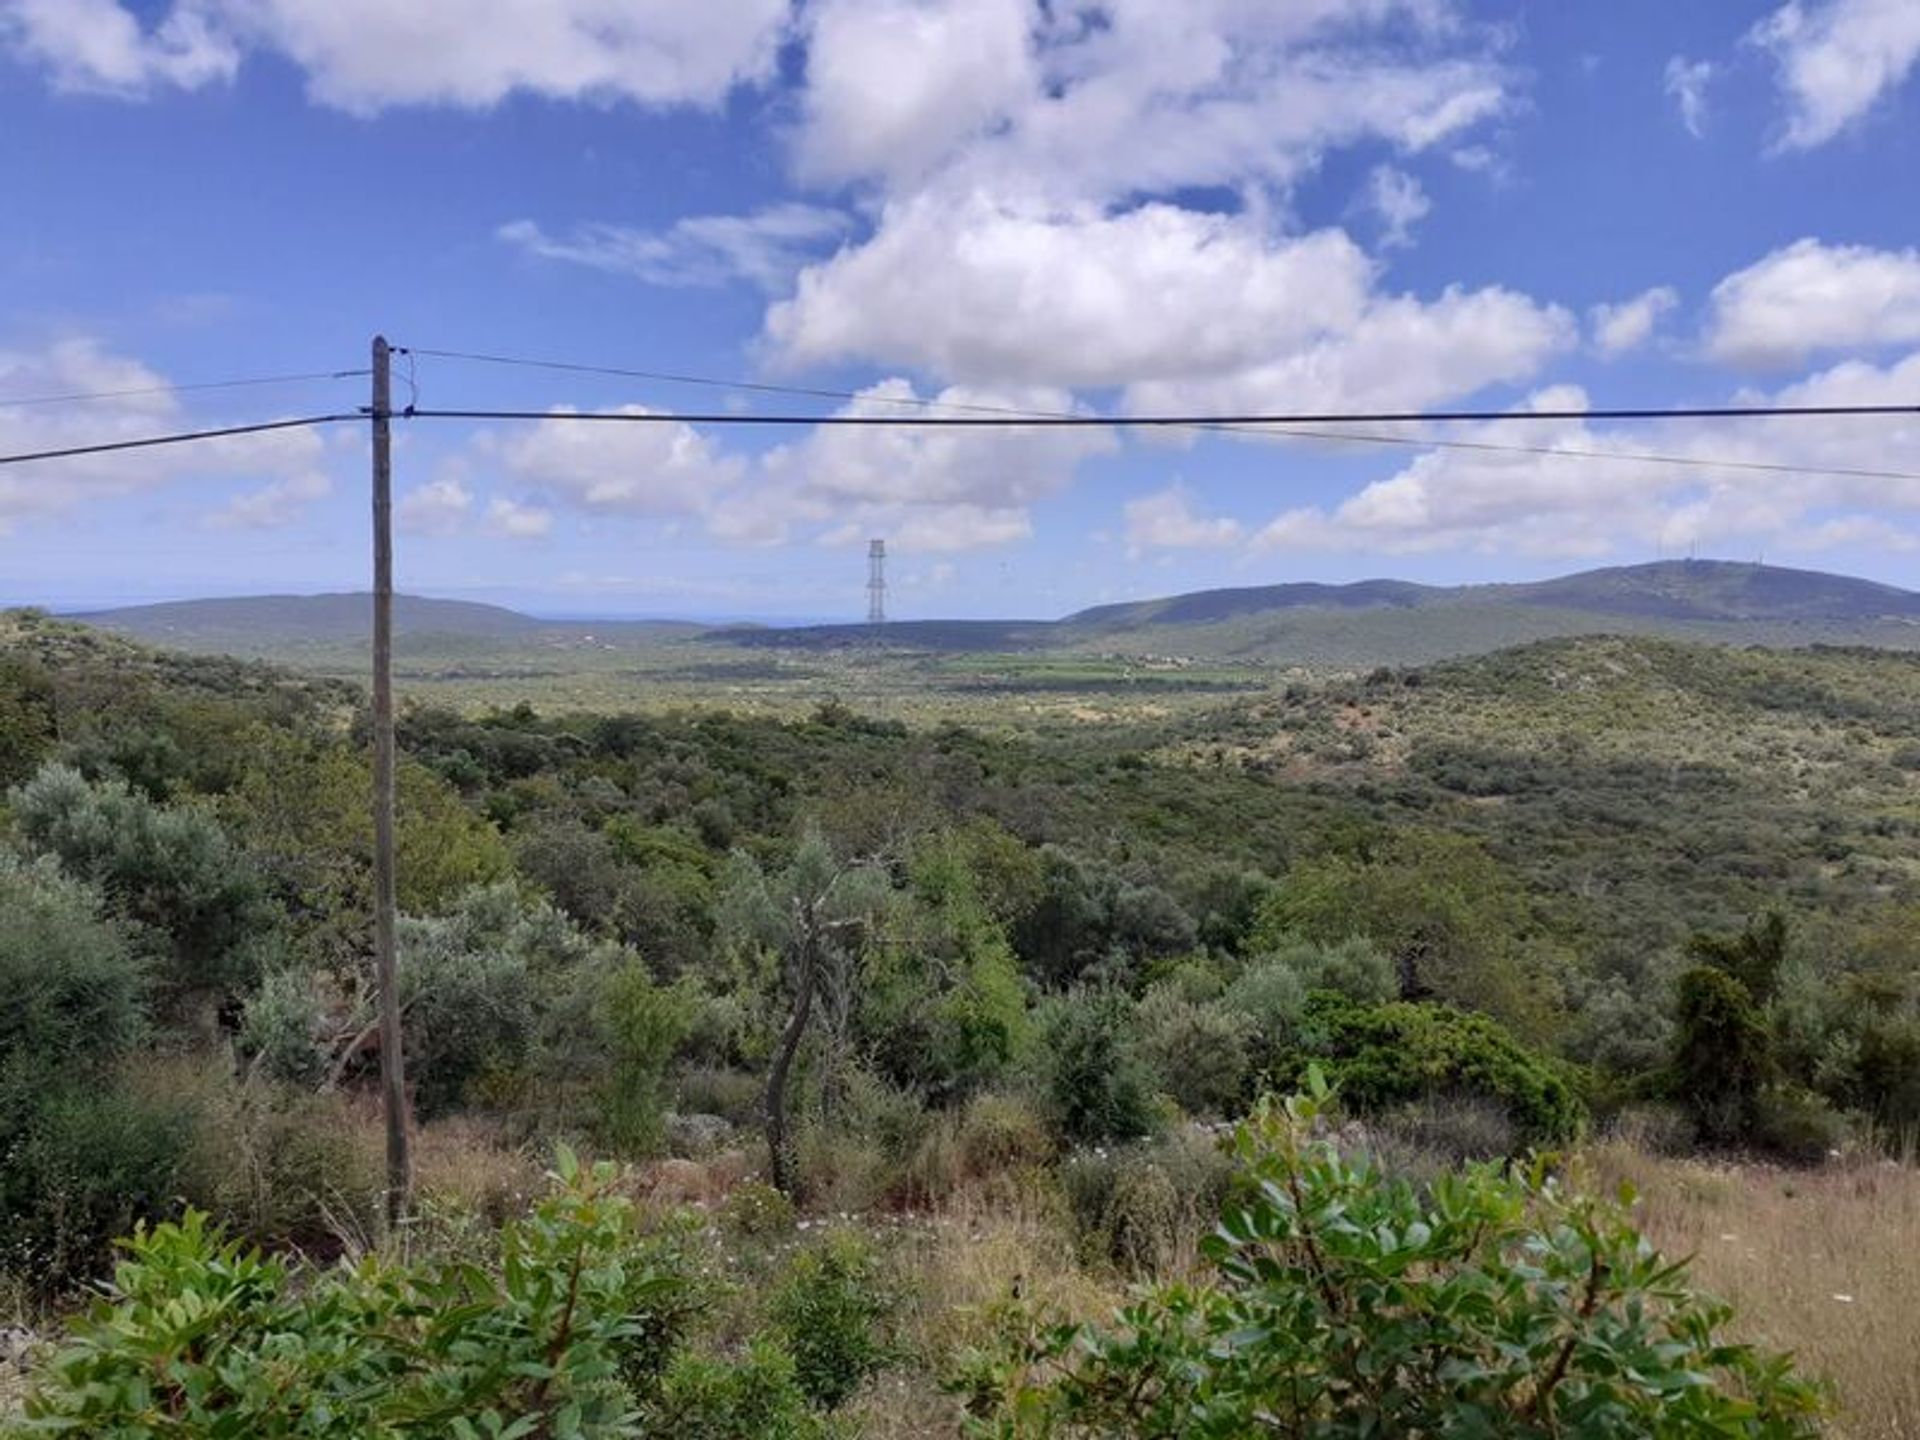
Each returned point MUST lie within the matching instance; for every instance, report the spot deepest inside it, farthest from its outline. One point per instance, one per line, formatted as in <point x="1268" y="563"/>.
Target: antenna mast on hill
<point x="877" y="583"/>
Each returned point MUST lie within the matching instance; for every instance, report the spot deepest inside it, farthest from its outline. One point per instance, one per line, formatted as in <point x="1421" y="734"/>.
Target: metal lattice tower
<point x="877" y="583"/>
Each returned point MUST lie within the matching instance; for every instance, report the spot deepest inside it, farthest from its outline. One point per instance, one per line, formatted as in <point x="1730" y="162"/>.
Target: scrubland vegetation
<point x="1166" y="1076"/>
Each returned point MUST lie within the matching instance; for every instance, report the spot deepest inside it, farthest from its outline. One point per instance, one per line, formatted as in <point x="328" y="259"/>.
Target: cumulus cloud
<point x="287" y="462"/>
<point x="1809" y="297"/>
<point x="650" y="469"/>
<point x="96" y="46"/>
<point x="439" y="507"/>
<point x="517" y="521"/>
<point x="1837" y="59"/>
<point x="1070" y="101"/>
<point x="1494" y="501"/>
<point x="1396" y="197"/>
<point x="925" y="489"/>
<point x="1686" y="85"/>
<point x="1628" y="325"/>
<point x="1399" y="353"/>
<point x="1075" y="297"/>
<point x="764" y="248"/>
<point x="1167" y="520"/>
<point x="273" y="506"/>
<point x="365" y="55"/>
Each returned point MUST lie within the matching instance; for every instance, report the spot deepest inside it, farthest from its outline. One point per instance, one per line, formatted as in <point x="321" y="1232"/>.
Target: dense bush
<point x="170" y="868"/>
<point x="1386" y="1055"/>
<point x="1497" y="1303"/>
<point x="1722" y="1053"/>
<point x="203" y="1336"/>
<point x="830" y="1311"/>
<point x="1099" y="1085"/>
<point x="81" y="1156"/>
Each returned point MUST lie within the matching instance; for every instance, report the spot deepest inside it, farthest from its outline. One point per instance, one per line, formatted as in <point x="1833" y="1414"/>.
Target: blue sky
<point x="1131" y="206"/>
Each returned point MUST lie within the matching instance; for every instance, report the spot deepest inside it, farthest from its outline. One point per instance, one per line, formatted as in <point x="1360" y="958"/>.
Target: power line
<point x="181" y="438"/>
<point x="180" y="389"/>
<point x="1023" y="420"/>
<point x="1215" y="426"/>
<point x="1701" y="412"/>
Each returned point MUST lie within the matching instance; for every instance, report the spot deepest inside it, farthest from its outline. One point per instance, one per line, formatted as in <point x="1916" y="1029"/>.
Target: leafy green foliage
<point x="1453" y="921"/>
<point x="202" y="1336"/>
<point x="1385" y="1055"/>
<point x="1098" y="1083"/>
<point x="1722" y="1053"/>
<point x="1499" y="1303"/>
<point x="171" y="868"/>
<point x="830" y="1310"/>
<point x="80" y="1156"/>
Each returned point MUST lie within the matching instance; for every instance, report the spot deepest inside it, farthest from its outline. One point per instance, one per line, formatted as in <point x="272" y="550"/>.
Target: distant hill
<point x="269" y="625"/>
<point x="1372" y="622"/>
<point x="321" y="618"/>
<point x="1369" y="622"/>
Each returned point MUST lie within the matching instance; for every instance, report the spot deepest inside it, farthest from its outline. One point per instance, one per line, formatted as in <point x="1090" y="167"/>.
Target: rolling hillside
<point x="269" y="625"/>
<point x="1373" y="622"/>
<point x="1369" y="622"/>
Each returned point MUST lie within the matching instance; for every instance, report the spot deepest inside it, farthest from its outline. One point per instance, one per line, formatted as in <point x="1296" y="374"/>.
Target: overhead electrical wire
<point x="10" y="402"/>
<point x="1263" y="426"/>
<point x="183" y="437"/>
<point x="978" y="415"/>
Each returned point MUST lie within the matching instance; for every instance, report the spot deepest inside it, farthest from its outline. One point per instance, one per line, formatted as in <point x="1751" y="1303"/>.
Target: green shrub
<point x="1000" y="1132"/>
<point x="1722" y="1054"/>
<point x="644" y="1025"/>
<point x="1797" y="1125"/>
<point x="1199" y="1051"/>
<point x="84" y="1165"/>
<point x="1344" y="1304"/>
<point x="1387" y="1055"/>
<point x="1141" y="1206"/>
<point x="829" y="1311"/>
<point x="201" y="1336"/>
<point x="756" y="1210"/>
<point x="1098" y="1084"/>
<point x="81" y="1156"/>
<point x="171" y="868"/>
<point x="753" y="1396"/>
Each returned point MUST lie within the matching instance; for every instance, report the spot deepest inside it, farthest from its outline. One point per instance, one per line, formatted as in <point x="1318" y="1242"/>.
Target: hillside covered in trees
<point x="839" y="972"/>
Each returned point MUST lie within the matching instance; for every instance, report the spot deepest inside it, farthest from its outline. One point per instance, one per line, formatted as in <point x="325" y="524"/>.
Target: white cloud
<point x="1399" y="353"/>
<point x="1396" y="197"/>
<point x="1861" y="531"/>
<point x="1627" y="325"/>
<point x="1166" y="520"/>
<point x="764" y="248"/>
<point x="922" y="489"/>
<point x="1077" y="103"/>
<point x="97" y="46"/>
<point x="273" y="506"/>
<point x="1069" y="297"/>
<point x="290" y="460"/>
<point x="657" y="468"/>
<point x="1810" y="297"/>
<point x="517" y="521"/>
<point x="1686" y="83"/>
<point x="1502" y="502"/>
<point x="437" y="508"/>
<point x="366" y="55"/>
<point x="1836" y="59"/>
<point x="894" y="85"/>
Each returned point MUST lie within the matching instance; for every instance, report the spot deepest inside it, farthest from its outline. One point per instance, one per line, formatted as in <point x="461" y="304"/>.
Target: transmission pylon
<point x="877" y="583"/>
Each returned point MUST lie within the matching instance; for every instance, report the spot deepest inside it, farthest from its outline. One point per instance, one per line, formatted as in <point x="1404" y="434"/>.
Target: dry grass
<point x="1823" y="1263"/>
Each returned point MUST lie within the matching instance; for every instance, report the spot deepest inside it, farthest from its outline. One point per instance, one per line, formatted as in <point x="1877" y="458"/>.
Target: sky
<point x="1110" y="207"/>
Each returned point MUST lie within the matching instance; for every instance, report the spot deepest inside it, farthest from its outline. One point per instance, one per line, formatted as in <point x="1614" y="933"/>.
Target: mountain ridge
<point x="1381" y="619"/>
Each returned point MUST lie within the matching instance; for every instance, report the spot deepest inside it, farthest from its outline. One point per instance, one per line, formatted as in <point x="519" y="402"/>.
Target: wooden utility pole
<point x="393" y="1071"/>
